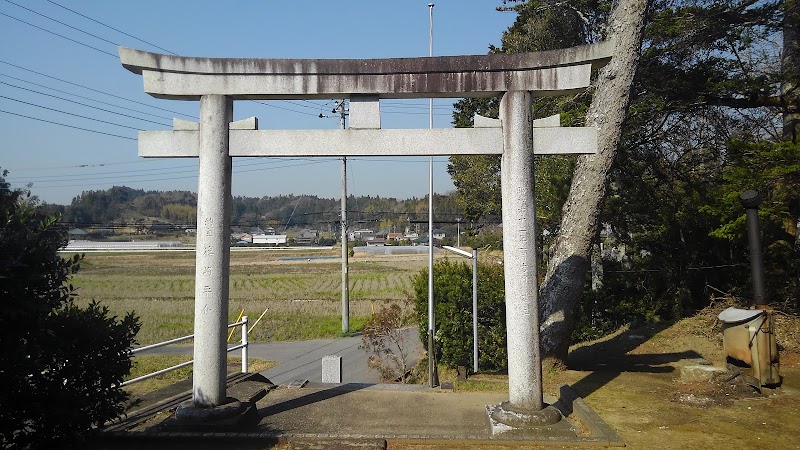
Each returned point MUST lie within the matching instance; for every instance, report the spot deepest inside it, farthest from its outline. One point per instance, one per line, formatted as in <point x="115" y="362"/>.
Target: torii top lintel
<point x="553" y="72"/>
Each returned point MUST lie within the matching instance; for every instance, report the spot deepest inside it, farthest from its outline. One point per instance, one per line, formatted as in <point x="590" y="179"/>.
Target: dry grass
<point x="301" y="296"/>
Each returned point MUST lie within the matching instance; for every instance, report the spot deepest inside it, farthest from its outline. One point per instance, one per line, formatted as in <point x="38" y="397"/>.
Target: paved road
<point x="303" y="359"/>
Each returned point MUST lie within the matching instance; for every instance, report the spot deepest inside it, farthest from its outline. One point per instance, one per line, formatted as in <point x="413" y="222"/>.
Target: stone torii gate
<point x="217" y="82"/>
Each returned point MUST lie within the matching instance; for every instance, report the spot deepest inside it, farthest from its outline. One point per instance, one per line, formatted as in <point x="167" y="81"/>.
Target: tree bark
<point x="566" y="269"/>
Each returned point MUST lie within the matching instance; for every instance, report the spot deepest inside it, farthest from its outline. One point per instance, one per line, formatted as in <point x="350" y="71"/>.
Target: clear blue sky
<point x="62" y="162"/>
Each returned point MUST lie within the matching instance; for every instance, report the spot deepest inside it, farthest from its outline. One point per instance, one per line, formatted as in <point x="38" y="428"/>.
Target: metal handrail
<point x="243" y="346"/>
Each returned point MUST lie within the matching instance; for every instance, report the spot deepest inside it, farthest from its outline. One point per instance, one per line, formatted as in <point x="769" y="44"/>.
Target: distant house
<point x="438" y="234"/>
<point x="307" y="237"/>
<point x="394" y="236"/>
<point x="362" y="234"/>
<point x="270" y="239"/>
<point x="376" y="242"/>
<point x="424" y="240"/>
<point x="412" y="236"/>
<point x="247" y="237"/>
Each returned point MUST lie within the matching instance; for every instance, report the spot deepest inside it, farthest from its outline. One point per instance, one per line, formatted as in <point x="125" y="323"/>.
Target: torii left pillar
<point x="212" y="263"/>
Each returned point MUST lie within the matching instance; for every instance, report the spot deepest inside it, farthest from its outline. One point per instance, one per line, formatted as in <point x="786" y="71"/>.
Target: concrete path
<point x="303" y="359"/>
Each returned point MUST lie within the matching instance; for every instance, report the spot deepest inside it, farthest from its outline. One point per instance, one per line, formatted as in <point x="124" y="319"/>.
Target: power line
<point x="151" y="44"/>
<point x="85" y="98"/>
<point x="109" y="26"/>
<point x="59" y="35"/>
<point x="68" y="126"/>
<point x="80" y="166"/>
<point x="84" y="104"/>
<point x="181" y="170"/>
<point x="69" y="113"/>
<point x="312" y="105"/>
<point x="96" y="90"/>
<point x="62" y="23"/>
<point x="183" y="177"/>
<point x="138" y="161"/>
<point x="281" y="107"/>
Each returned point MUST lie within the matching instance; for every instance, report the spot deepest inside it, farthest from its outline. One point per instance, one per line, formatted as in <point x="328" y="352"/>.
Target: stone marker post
<point x="212" y="263"/>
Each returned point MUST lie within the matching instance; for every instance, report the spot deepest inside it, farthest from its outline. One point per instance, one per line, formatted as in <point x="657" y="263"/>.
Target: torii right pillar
<point x="525" y="407"/>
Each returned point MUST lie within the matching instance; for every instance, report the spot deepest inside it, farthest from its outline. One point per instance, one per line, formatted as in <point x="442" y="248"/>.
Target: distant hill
<point x="124" y="205"/>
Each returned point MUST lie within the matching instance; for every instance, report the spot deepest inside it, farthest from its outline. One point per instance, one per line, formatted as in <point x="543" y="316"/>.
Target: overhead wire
<point x="97" y="90"/>
<point x="68" y="126"/>
<point x="59" y="35"/>
<point x="189" y="176"/>
<point x="69" y="113"/>
<point x="176" y="170"/>
<point x="62" y="23"/>
<point x="85" y="98"/>
<point x="109" y="26"/>
<point x="137" y="161"/>
<point x="148" y="43"/>
<point x="312" y="104"/>
<point x="84" y="104"/>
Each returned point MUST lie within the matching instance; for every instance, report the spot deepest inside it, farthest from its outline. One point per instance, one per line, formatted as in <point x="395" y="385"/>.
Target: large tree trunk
<point x="566" y="269"/>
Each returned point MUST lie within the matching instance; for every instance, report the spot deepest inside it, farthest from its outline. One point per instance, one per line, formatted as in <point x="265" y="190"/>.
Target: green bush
<point x="61" y="366"/>
<point x="453" y="310"/>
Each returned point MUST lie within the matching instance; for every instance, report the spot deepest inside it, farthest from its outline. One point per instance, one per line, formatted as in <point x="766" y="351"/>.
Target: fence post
<point x="244" y="344"/>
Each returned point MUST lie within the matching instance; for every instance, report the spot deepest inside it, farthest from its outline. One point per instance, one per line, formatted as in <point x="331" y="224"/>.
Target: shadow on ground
<point x="607" y="359"/>
<point x="308" y="399"/>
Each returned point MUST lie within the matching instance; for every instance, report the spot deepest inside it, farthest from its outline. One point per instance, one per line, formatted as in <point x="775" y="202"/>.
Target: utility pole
<point x="345" y="249"/>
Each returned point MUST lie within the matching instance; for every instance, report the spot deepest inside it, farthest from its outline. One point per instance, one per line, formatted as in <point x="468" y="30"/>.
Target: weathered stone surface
<point x="212" y="263"/>
<point x="365" y="112"/>
<point x="137" y="61"/>
<point x="232" y="415"/>
<point x="552" y="72"/>
<point x="700" y="372"/>
<point x="352" y="142"/>
<point x="519" y="236"/>
<point x="338" y="444"/>
<point x="249" y="391"/>
<point x="251" y="123"/>
<point x="544" y="424"/>
<point x="332" y="369"/>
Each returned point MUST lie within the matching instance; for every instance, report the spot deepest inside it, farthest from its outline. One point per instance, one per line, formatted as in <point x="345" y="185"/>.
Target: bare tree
<point x="385" y="338"/>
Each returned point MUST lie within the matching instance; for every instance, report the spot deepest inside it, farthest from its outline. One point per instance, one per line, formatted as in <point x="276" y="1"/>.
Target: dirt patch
<point x="721" y="391"/>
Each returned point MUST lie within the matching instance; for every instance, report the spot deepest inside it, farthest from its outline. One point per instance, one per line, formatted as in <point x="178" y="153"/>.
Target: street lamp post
<point x="432" y="372"/>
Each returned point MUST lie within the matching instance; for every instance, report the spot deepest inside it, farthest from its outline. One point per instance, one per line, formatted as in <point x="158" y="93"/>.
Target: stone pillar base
<point x="505" y="419"/>
<point x="229" y="416"/>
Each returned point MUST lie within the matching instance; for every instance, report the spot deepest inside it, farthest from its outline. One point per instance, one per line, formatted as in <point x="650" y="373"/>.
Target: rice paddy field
<point x="299" y="289"/>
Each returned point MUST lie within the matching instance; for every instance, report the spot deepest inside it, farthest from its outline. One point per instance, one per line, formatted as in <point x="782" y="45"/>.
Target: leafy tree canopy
<point x="61" y="365"/>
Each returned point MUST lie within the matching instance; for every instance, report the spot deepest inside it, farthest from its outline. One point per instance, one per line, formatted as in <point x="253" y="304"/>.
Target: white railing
<point x="243" y="346"/>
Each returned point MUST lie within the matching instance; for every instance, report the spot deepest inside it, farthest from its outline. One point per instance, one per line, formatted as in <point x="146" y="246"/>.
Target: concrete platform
<point x="368" y="413"/>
